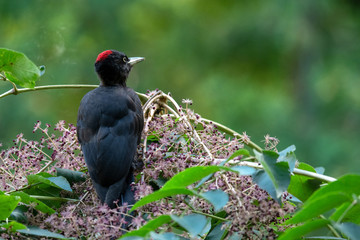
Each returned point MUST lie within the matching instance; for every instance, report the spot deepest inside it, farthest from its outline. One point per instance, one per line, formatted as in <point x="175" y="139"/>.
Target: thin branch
<point x="22" y="90"/>
<point x="54" y="198"/>
<point x="210" y="215"/>
<point x="296" y="171"/>
<point x="346" y="211"/>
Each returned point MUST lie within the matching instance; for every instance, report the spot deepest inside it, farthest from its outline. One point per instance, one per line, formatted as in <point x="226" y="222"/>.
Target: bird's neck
<point x="112" y="83"/>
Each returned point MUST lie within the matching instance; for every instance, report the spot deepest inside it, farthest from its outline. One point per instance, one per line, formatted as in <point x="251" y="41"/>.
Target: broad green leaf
<point x="39" y="205"/>
<point x="352" y="214"/>
<point x="351" y="230"/>
<point x="244" y="170"/>
<point x="18" y="68"/>
<point x="133" y="238"/>
<point x="13" y="226"/>
<point x="195" y="224"/>
<point x="35" y="231"/>
<point x="239" y="152"/>
<point x="152" y="225"/>
<point x="58" y="182"/>
<point x="61" y="182"/>
<point x="235" y="236"/>
<point x="217" y="198"/>
<point x="302" y="186"/>
<point x="192" y="175"/>
<point x="288" y="156"/>
<point x="262" y="179"/>
<point x="348" y="184"/>
<point x="70" y="175"/>
<point x="19" y="214"/>
<point x="46" y="190"/>
<point x="7" y="205"/>
<point x="165" y="236"/>
<point x="278" y="171"/>
<point x="217" y="233"/>
<point x="319" y="206"/>
<point x="160" y="194"/>
<point x="299" y="231"/>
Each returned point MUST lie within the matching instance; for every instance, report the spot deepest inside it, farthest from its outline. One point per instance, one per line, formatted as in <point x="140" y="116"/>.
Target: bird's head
<point x="113" y="67"/>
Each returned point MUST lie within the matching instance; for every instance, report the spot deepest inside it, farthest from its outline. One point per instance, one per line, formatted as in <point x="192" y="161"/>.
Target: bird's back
<point x="110" y="122"/>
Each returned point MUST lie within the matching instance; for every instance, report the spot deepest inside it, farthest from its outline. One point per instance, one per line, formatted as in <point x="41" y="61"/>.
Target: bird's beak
<point x="134" y="60"/>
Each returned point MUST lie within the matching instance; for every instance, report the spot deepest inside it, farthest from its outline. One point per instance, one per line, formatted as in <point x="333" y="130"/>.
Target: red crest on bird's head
<point x="103" y="55"/>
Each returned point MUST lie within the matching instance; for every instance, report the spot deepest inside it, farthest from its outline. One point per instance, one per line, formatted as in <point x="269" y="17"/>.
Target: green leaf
<point x="18" y="214"/>
<point x="192" y="175"/>
<point x="217" y="233"/>
<point x="351" y="230"/>
<point x="58" y="182"/>
<point x="195" y="224"/>
<point x="217" y="198"/>
<point x="39" y="205"/>
<point x="352" y="214"/>
<point x="130" y="238"/>
<point x="288" y="156"/>
<point x="18" y="68"/>
<point x="46" y="191"/>
<point x="278" y="172"/>
<point x="70" y="175"/>
<point x="152" y="225"/>
<point x="262" y="179"/>
<point x="239" y="152"/>
<point x="302" y="186"/>
<point x="348" y="184"/>
<point x="320" y="205"/>
<point x="35" y="231"/>
<point x="165" y="236"/>
<point x="299" y="231"/>
<point x="160" y="194"/>
<point x="7" y="205"/>
<point x="244" y="170"/>
<point x="13" y="226"/>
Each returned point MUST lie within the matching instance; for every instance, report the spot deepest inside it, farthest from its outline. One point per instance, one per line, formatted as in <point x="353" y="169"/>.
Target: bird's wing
<point x="108" y="130"/>
<point x="139" y="116"/>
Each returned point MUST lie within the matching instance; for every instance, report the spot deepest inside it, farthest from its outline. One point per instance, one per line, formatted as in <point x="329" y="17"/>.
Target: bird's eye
<point x="125" y="59"/>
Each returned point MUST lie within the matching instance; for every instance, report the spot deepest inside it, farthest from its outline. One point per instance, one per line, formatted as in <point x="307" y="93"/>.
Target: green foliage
<point x="58" y="182"/>
<point x="179" y="183"/>
<point x="18" y="69"/>
<point x="150" y="226"/>
<point x="325" y="203"/>
<point x="35" y="231"/>
<point x="7" y="205"/>
<point x="38" y="205"/>
<point x="276" y="171"/>
<point x="302" y="186"/>
<point x="70" y="175"/>
<point x="342" y="197"/>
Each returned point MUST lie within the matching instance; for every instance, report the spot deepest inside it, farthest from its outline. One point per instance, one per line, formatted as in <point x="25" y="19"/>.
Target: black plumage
<point x="109" y="126"/>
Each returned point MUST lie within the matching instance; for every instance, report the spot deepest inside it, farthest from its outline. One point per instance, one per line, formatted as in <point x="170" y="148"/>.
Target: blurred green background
<point x="286" y="68"/>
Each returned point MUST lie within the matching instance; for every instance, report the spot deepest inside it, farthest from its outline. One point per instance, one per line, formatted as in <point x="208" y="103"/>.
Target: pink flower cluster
<point x="169" y="148"/>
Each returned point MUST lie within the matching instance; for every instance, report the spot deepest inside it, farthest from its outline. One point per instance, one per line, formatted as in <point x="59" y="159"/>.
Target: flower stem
<point x="210" y="215"/>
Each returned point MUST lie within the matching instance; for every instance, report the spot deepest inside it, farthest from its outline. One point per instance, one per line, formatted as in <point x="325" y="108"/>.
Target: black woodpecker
<point x="109" y="125"/>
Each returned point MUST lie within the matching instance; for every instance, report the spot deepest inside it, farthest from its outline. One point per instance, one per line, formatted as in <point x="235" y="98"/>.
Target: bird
<point x="109" y="127"/>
